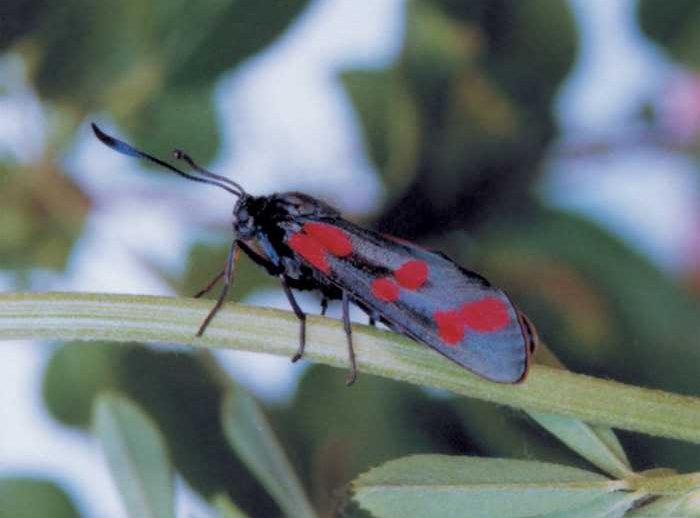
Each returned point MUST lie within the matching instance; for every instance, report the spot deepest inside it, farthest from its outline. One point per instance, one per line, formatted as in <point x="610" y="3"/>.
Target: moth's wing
<point x="453" y="310"/>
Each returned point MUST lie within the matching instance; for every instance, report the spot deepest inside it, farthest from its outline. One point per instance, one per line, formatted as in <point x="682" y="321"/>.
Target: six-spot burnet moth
<point x="421" y="294"/>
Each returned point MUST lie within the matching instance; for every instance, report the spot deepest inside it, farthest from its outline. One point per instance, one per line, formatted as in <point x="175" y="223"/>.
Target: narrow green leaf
<point x="464" y="487"/>
<point x="130" y="318"/>
<point x="669" y="507"/>
<point x="251" y="436"/>
<point x="136" y="456"/>
<point x="226" y="508"/>
<point x="597" y="444"/>
<point x="666" y="484"/>
<point x="612" y="505"/>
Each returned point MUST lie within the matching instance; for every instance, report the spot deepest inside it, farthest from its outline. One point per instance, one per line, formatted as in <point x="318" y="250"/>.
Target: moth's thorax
<point x="262" y="225"/>
<point x="256" y="215"/>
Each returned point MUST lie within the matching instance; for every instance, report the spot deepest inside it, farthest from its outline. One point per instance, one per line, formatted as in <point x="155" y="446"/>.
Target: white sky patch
<point x="33" y="444"/>
<point x="22" y="117"/>
<point x="288" y="117"/>
<point x="615" y="69"/>
<point x="646" y="198"/>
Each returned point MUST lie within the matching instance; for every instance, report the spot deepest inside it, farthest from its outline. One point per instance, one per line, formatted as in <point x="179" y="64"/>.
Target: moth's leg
<point x="300" y="315"/>
<point x="209" y="287"/>
<point x="228" y="280"/>
<point x="372" y="316"/>
<point x="348" y="332"/>
<point x="324" y="306"/>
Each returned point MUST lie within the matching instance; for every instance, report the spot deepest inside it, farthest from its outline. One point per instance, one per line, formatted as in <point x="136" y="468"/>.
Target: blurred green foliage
<point x="457" y="127"/>
<point x="145" y="65"/>
<point x="674" y="26"/>
<point x="135" y="452"/>
<point x="42" y="216"/>
<point x="31" y="498"/>
<point x="465" y="114"/>
<point x="175" y="389"/>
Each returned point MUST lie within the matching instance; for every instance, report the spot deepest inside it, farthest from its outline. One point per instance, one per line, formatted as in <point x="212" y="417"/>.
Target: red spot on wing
<point x="316" y="240"/>
<point x="385" y="289"/>
<point x="412" y="274"/>
<point x="332" y="238"/>
<point x="311" y="250"/>
<point x="487" y="315"/>
<point x="450" y="326"/>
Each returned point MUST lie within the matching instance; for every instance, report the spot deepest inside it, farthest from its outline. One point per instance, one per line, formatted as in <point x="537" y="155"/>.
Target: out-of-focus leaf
<point x="251" y="436"/>
<point x="42" y="214"/>
<point x="226" y="508"/>
<point x="18" y="17"/>
<point x="74" y="376"/>
<point x="235" y="31"/>
<point x="462" y="116"/>
<point x="327" y="429"/>
<point x="529" y="46"/>
<point x="434" y="485"/>
<point x="612" y="505"/>
<point x="176" y="118"/>
<point x="152" y="65"/>
<point x="88" y="49"/>
<point x="673" y="25"/>
<point x="496" y="431"/>
<point x="137" y="458"/>
<point x="185" y="400"/>
<point x="176" y="390"/>
<point x="34" y="498"/>
<point x="390" y="122"/>
<point x="482" y="77"/>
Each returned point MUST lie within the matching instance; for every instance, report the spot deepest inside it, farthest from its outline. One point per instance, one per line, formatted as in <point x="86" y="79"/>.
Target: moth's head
<point x="245" y="214"/>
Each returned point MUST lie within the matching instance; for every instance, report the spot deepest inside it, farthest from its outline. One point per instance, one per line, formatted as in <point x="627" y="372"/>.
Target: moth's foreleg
<point x="300" y="315"/>
<point x="209" y="287"/>
<point x="228" y="280"/>
<point x="348" y="333"/>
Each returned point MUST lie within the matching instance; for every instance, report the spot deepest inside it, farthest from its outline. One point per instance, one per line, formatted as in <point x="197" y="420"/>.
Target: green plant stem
<point x="129" y="318"/>
<point x="666" y="485"/>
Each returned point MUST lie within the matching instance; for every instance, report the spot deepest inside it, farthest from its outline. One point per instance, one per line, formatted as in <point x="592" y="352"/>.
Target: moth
<point x="418" y="293"/>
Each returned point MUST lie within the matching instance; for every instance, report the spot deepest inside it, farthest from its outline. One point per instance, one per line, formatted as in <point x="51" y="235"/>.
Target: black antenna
<point x="126" y="149"/>
<point x="181" y="155"/>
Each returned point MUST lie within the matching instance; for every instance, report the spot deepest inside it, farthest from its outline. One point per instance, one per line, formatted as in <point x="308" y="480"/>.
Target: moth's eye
<point x="242" y="215"/>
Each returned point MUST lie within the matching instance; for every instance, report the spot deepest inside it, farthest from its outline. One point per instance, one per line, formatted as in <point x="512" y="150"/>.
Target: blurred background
<point x="550" y="145"/>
